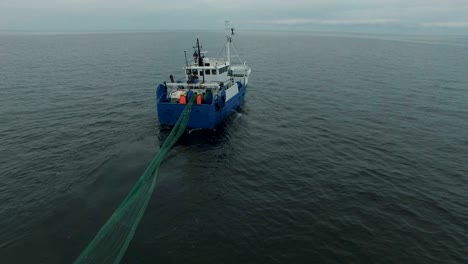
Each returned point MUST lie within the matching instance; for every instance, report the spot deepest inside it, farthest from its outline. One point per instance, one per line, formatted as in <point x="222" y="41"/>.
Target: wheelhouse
<point x="212" y="70"/>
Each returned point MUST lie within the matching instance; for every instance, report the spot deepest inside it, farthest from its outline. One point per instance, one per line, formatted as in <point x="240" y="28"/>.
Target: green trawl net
<point x="112" y="240"/>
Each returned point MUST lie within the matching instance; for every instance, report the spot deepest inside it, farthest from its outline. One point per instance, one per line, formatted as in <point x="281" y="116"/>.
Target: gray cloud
<point x="452" y="24"/>
<point x="302" y="21"/>
<point x="378" y="15"/>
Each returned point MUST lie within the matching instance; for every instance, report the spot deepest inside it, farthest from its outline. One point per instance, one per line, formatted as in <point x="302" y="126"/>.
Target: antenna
<point x="186" y="61"/>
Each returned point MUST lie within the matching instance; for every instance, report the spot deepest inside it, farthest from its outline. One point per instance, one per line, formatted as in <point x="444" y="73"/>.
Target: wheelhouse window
<point x="188" y="72"/>
<point x="213" y="72"/>
<point x="207" y="72"/>
<point x="194" y="72"/>
<point x="201" y="73"/>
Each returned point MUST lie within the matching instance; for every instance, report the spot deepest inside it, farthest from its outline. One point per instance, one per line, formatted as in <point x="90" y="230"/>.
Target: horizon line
<point x="97" y="31"/>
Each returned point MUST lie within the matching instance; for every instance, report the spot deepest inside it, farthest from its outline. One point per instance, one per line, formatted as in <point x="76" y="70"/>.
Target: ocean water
<point x="348" y="149"/>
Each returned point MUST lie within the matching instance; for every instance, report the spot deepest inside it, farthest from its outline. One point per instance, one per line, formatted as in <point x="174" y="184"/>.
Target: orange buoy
<point x="199" y="99"/>
<point x="183" y="99"/>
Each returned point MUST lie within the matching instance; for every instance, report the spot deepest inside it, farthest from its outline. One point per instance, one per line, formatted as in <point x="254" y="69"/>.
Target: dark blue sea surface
<point x="348" y="149"/>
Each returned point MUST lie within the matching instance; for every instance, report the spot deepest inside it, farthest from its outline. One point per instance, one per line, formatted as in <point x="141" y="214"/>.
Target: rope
<point x="235" y="50"/>
<point x="112" y="240"/>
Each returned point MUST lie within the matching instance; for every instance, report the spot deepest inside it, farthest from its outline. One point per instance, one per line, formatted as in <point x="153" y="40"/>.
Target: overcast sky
<point x="378" y="16"/>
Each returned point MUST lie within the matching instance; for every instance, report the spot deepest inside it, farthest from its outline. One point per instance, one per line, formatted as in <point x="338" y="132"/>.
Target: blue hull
<point x="203" y="115"/>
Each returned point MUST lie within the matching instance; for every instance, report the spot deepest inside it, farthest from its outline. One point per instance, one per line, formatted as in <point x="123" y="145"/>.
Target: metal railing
<point x="192" y="85"/>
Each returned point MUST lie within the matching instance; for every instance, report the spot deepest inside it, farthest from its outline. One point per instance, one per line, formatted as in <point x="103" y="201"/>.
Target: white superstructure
<point x="204" y="73"/>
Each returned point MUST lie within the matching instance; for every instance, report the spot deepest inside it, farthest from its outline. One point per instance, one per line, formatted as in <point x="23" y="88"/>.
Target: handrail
<point x="193" y="85"/>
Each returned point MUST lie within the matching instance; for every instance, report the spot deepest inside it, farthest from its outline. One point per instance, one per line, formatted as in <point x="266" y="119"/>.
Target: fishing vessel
<point x="218" y="85"/>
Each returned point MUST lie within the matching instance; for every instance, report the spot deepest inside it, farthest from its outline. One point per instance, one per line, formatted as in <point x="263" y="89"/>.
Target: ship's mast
<point x="228" y="41"/>
<point x="200" y="58"/>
